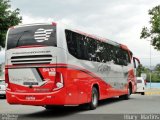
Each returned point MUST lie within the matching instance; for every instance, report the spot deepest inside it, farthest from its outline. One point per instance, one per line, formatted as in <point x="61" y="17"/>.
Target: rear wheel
<point x="94" y="99"/>
<point x="51" y="107"/>
<point x="127" y="96"/>
<point x="48" y="107"/>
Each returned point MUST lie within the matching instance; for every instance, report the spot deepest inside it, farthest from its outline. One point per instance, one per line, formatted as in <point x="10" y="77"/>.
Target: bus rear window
<point x="32" y="35"/>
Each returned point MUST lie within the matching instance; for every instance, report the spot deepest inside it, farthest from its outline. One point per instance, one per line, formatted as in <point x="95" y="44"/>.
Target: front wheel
<point x="94" y="99"/>
<point x="127" y="96"/>
<point x="52" y="107"/>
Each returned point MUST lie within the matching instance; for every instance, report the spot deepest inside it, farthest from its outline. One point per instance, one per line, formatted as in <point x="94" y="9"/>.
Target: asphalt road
<point x="113" y="108"/>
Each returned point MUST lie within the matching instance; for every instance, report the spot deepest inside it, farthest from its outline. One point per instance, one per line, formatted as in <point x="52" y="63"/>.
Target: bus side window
<point x="91" y="47"/>
<point x="82" y="47"/>
<point x="71" y="43"/>
<point x="125" y="57"/>
<point x="121" y="57"/>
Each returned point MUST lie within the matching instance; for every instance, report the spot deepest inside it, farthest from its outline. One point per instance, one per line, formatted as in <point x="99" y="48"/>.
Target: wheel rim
<point x="94" y="99"/>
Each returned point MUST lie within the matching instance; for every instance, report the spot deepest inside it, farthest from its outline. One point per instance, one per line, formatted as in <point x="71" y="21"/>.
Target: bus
<point x="54" y="64"/>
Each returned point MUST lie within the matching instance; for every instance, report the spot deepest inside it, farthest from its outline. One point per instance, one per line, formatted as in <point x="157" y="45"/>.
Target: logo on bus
<point x="42" y="35"/>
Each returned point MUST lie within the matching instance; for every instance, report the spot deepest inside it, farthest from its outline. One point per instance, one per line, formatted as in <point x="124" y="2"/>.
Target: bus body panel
<point x="79" y="76"/>
<point x="77" y="91"/>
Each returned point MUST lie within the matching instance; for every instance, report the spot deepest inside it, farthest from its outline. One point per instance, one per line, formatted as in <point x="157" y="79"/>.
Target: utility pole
<point x="150" y="76"/>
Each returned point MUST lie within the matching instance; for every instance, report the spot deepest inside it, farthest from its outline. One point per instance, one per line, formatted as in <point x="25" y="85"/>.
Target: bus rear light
<point x="58" y="81"/>
<point x="6" y="78"/>
<point x="53" y="23"/>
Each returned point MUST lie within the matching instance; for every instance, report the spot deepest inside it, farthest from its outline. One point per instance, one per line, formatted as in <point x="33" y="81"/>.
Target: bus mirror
<point x="137" y="66"/>
<point x="136" y="62"/>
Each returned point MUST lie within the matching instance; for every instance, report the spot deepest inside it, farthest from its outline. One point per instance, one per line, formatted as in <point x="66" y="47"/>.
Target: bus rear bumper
<point x="38" y="99"/>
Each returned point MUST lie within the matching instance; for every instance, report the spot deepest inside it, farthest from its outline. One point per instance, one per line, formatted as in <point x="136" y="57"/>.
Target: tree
<point x="139" y="70"/>
<point x="153" y="33"/>
<point x="157" y="68"/>
<point x="8" y="18"/>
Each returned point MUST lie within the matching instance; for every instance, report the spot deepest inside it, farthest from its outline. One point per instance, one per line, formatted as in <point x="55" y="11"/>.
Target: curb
<point x="152" y="93"/>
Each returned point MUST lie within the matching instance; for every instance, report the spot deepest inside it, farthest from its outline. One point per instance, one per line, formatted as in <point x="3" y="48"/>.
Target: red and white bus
<point x="53" y="64"/>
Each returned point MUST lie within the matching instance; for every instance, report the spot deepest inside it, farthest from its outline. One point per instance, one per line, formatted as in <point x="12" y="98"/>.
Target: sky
<point x="117" y="20"/>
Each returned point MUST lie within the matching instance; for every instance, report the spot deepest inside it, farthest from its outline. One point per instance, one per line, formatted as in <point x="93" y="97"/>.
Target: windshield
<point x="32" y="35"/>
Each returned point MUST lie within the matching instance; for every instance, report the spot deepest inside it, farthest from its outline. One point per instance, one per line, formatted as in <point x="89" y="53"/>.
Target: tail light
<point x="53" y="23"/>
<point x="6" y="78"/>
<point x="58" y="81"/>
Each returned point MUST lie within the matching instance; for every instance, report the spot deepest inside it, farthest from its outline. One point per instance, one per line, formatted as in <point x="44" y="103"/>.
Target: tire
<point x="94" y="99"/>
<point x="127" y="96"/>
<point x="51" y="107"/>
<point x="48" y="107"/>
<point x="142" y="93"/>
<point x="4" y="96"/>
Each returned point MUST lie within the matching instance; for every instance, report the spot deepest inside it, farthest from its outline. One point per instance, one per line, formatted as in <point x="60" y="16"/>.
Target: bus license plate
<point x="30" y="98"/>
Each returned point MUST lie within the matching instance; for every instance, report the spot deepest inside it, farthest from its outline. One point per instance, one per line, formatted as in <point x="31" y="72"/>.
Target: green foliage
<point x="153" y="33"/>
<point x="155" y="77"/>
<point x="157" y="68"/>
<point x="8" y="18"/>
<point x="155" y="74"/>
<point x="139" y="70"/>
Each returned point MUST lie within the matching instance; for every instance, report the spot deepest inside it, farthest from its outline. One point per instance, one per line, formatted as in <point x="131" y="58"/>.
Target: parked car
<point x="2" y="88"/>
<point x="140" y="85"/>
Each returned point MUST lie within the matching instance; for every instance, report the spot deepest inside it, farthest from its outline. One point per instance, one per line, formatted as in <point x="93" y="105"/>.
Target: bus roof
<point x="102" y="39"/>
<point x="80" y="32"/>
<point x="32" y="24"/>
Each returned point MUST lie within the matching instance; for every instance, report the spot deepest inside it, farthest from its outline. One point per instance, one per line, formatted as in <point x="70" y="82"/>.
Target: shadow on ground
<point x="61" y="112"/>
<point x="2" y="97"/>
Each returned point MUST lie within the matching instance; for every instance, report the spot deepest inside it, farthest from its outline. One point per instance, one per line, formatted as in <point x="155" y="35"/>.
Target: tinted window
<point x="122" y="56"/>
<point x="72" y="43"/>
<point x="86" y="48"/>
<point x="32" y="35"/>
<point x="91" y="49"/>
